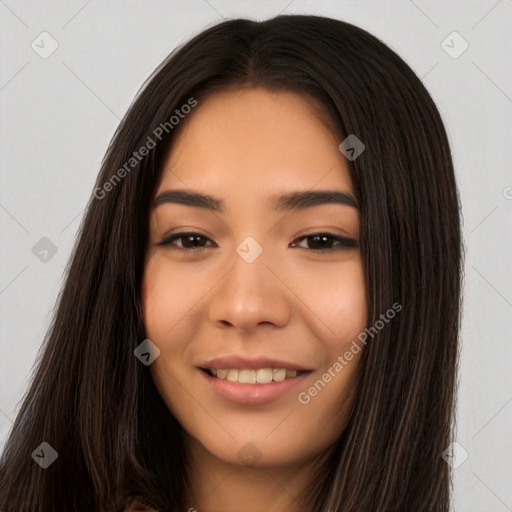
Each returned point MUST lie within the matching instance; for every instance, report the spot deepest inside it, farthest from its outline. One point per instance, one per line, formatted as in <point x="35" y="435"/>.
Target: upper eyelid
<point x="181" y="234"/>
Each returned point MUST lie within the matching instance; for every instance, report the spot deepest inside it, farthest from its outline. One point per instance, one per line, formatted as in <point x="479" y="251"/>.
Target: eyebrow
<point x="287" y="202"/>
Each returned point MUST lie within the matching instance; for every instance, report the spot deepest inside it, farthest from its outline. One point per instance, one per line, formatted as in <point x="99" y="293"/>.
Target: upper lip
<point x="242" y="362"/>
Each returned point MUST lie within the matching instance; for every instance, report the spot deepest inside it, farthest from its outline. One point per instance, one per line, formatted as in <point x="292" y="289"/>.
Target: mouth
<point x="254" y="375"/>
<point x="252" y="379"/>
<point x="253" y="386"/>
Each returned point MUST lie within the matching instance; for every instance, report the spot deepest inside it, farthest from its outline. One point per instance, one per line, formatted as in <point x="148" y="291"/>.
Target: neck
<point x="216" y="485"/>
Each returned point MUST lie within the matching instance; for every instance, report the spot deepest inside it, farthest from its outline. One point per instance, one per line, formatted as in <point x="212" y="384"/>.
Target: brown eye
<point x="326" y="242"/>
<point x="189" y="241"/>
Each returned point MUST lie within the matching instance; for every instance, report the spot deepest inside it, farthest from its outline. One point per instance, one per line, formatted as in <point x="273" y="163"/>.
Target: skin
<point x="244" y="146"/>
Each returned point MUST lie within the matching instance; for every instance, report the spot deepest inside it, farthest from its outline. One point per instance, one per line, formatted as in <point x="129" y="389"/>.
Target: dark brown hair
<point x="94" y="402"/>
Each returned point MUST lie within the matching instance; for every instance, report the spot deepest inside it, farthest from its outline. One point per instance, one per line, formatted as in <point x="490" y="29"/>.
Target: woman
<point x="262" y="309"/>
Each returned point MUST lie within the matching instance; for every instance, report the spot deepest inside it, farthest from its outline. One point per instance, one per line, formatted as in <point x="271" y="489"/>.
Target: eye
<point x="317" y="242"/>
<point x="190" y="241"/>
<point x="326" y="242"/>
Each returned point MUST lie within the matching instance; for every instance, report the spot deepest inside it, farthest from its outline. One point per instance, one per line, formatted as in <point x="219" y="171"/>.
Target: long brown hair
<point x="94" y="402"/>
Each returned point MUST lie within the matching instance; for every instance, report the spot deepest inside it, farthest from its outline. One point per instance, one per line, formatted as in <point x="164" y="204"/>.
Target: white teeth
<point x="249" y="376"/>
<point x="264" y="375"/>
<point x="278" y="374"/>
<point x="246" y="376"/>
<point x="232" y="375"/>
<point x="221" y="374"/>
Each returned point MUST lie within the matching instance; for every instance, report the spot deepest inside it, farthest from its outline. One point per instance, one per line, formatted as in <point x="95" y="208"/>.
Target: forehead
<point x="259" y="139"/>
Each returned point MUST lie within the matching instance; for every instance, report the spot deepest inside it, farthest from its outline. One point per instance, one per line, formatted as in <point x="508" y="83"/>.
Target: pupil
<point x="189" y="239"/>
<point x="322" y="238"/>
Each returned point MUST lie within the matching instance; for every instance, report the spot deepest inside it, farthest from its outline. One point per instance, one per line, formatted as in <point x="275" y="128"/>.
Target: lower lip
<point x="252" y="394"/>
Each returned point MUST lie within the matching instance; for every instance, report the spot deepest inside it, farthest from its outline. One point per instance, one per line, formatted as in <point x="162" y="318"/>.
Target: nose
<point x="249" y="295"/>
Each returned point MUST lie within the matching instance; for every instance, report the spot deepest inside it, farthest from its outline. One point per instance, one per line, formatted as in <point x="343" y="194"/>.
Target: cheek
<point x="337" y="297"/>
<point x="330" y="305"/>
<point x="169" y="297"/>
<point x="158" y="299"/>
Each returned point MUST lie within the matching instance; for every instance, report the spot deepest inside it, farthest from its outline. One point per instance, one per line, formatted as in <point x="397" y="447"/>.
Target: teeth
<point x="221" y="374"/>
<point x="290" y="374"/>
<point x="247" y="376"/>
<point x="232" y="375"/>
<point x="278" y="374"/>
<point x="264" y="375"/>
<point x="259" y="376"/>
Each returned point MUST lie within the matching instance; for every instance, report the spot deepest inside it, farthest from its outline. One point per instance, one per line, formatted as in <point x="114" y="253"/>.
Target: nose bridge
<point x="249" y="294"/>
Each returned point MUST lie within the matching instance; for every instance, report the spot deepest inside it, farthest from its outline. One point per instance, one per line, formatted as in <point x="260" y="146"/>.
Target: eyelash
<point x="343" y="242"/>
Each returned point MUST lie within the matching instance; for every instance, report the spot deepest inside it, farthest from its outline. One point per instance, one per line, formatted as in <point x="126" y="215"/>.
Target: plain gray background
<point x="59" y="113"/>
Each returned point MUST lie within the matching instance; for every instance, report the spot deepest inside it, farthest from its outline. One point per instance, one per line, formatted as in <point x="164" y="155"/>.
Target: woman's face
<point x="257" y="293"/>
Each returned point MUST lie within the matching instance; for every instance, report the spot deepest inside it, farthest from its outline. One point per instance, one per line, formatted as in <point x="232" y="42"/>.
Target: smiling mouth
<point x="252" y="376"/>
